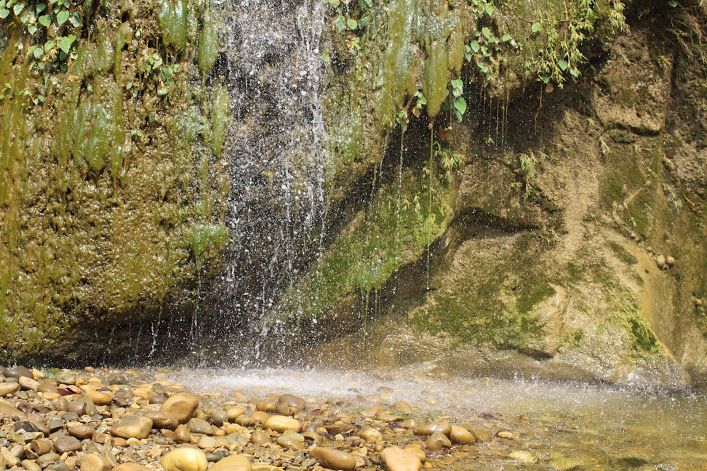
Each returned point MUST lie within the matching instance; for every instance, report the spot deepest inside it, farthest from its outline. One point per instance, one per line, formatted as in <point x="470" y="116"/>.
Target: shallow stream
<point x="555" y="426"/>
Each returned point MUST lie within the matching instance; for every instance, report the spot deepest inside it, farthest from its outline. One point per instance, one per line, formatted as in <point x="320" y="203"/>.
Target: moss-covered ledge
<point x="112" y="180"/>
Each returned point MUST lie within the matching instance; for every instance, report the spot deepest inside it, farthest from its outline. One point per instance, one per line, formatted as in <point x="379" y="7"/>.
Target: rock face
<point x="539" y="257"/>
<point x="531" y="238"/>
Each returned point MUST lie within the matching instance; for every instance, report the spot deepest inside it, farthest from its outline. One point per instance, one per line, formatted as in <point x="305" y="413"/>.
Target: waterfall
<point x="274" y="71"/>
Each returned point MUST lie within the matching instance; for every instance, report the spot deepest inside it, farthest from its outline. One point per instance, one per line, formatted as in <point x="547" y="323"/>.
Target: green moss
<point x="623" y="254"/>
<point x="208" y="239"/>
<point x="394" y="230"/>
<point x="643" y="339"/>
<point x="208" y="43"/>
<point x="78" y="240"/>
<point x="491" y="307"/>
<point x="174" y="18"/>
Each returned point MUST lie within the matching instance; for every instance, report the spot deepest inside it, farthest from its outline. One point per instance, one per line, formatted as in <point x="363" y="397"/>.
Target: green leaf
<point x="489" y="9"/>
<point x="562" y="64"/>
<point x="4" y="12"/>
<point x="31" y="29"/>
<point x="74" y="20"/>
<point x="506" y="37"/>
<point x="18" y="8"/>
<point x="340" y="24"/>
<point x="486" y="32"/>
<point x="475" y="46"/>
<point x="458" y="84"/>
<point x="62" y="16"/>
<point x="41" y="7"/>
<point x="65" y="43"/>
<point x="367" y="3"/>
<point x="48" y="46"/>
<point x="45" y="20"/>
<point x="535" y="28"/>
<point x="37" y="52"/>
<point x="460" y="105"/>
<point x="351" y="24"/>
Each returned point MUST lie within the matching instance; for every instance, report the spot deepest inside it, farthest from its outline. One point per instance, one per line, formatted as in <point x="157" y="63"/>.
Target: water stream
<point x="564" y="425"/>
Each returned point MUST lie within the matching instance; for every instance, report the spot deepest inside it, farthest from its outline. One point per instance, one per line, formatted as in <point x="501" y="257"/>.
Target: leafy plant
<point x="52" y="25"/>
<point x="527" y="167"/>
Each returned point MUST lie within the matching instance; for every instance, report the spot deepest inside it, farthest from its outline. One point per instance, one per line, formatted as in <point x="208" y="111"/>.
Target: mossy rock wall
<point x="111" y="175"/>
<point x="551" y="258"/>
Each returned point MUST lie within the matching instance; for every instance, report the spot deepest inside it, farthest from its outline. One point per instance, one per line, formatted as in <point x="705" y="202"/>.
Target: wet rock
<point x="523" y="456"/>
<point x="65" y="377"/>
<point x="182" y="434"/>
<point x="132" y="426"/>
<point x="234" y="412"/>
<point x="232" y="463"/>
<point x="8" y="410"/>
<point x="81" y="431"/>
<point x="481" y="434"/>
<point x="259" y="416"/>
<point x="437" y="441"/>
<point x="162" y="420"/>
<point x="506" y="434"/>
<point x="181" y="406"/>
<point x="341" y="429"/>
<point x="218" y="416"/>
<point x="8" y="388"/>
<point x="58" y="466"/>
<point x="259" y="438"/>
<point x="117" y="378"/>
<point x="18" y="372"/>
<point x="100" y="398"/>
<point x="287" y="404"/>
<point x="207" y="443"/>
<point x="29" y="465"/>
<point x="123" y="396"/>
<point x="266" y="406"/>
<point x="397" y="459"/>
<point x="461" y="436"/>
<point x="291" y="441"/>
<point x="370" y="434"/>
<point x="185" y="459"/>
<point x="429" y="429"/>
<point x="41" y="446"/>
<point x="334" y="459"/>
<point x="47" y="459"/>
<point x="28" y="383"/>
<point x="280" y="423"/>
<point x="94" y="462"/>
<point x="200" y="426"/>
<point x="67" y="444"/>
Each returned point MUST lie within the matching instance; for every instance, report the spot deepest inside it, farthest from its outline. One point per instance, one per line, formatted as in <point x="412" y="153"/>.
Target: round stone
<point x="8" y="388"/>
<point x="461" y="436"/>
<point x="185" y="459"/>
<point x="397" y="459"/>
<point x="334" y="459"/>
<point x="100" y="398"/>
<point x="81" y="431"/>
<point x="280" y="423"/>
<point x="181" y="406"/>
<point x="429" y="429"/>
<point x="131" y="467"/>
<point x="291" y="441"/>
<point x="94" y="462"/>
<point x="437" y="441"/>
<point x="132" y="426"/>
<point x="232" y="463"/>
<point x="66" y="444"/>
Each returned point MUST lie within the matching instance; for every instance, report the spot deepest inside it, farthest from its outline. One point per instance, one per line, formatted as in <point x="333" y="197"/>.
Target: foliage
<point x="560" y="58"/>
<point x="527" y="167"/>
<point x="53" y="26"/>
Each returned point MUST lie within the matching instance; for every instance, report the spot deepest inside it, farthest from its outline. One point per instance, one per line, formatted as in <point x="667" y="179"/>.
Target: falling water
<point x="273" y="70"/>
